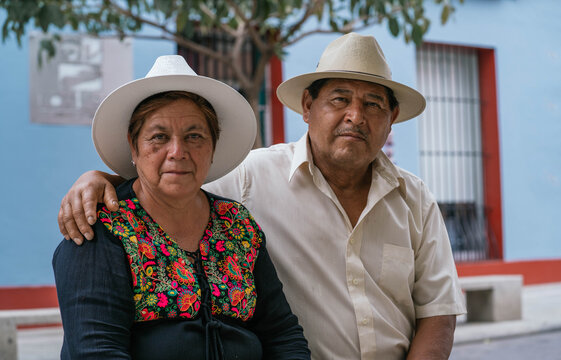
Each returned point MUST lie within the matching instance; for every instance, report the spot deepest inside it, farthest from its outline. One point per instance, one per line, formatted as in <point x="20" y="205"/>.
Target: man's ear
<point x="395" y="113"/>
<point x="306" y="105"/>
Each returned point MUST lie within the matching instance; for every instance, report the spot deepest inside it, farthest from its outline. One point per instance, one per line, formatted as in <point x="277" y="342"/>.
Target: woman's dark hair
<point x="317" y="85"/>
<point x="152" y="103"/>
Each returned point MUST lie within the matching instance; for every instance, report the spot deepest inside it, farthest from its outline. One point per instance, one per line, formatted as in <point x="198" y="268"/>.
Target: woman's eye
<point x="158" y="137"/>
<point x="194" y="136"/>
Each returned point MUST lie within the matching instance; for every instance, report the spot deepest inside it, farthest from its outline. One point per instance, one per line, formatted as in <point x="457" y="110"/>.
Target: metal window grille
<point x="222" y="43"/>
<point x="450" y="144"/>
<point x="213" y="68"/>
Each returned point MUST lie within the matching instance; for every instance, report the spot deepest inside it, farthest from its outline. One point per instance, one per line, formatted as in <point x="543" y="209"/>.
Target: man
<point x="359" y="243"/>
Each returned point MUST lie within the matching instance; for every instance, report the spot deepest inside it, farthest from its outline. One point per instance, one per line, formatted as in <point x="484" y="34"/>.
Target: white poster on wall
<point x="68" y="88"/>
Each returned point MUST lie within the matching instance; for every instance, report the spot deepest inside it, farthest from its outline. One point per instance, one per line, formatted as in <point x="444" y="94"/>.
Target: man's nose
<point x="355" y="112"/>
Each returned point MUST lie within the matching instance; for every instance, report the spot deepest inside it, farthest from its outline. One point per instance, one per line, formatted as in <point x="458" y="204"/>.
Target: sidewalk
<point x="541" y="311"/>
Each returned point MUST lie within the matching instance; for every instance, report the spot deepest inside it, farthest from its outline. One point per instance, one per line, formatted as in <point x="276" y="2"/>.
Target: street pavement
<point x="543" y="345"/>
<point x="541" y="319"/>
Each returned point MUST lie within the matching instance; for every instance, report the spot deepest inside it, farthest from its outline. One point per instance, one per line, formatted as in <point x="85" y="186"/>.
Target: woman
<point x="175" y="273"/>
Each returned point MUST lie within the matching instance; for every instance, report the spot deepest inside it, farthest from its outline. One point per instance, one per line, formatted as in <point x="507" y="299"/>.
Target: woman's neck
<point x="184" y="218"/>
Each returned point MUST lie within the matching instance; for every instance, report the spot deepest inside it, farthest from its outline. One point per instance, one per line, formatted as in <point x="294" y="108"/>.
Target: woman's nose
<point x="177" y="149"/>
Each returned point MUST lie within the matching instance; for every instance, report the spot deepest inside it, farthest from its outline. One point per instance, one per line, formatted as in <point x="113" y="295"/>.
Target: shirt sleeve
<point x="273" y="322"/>
<point x="437" y="290"/>
<point x="230" y="185"/>
<point x="95" y="297"/>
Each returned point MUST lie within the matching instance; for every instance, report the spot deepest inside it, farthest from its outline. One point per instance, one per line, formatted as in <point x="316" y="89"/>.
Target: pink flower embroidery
<point x="220" y="246"/>
<point x="162" y="300"/>
<point x="164" y="249"/>
<point x="215" y="290"/>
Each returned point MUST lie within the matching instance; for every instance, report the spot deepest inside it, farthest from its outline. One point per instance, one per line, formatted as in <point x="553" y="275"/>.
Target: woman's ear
<point x="133" y="149"/>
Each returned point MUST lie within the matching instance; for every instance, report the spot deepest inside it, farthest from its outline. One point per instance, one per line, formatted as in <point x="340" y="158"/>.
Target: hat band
<point x="354" y="72"/>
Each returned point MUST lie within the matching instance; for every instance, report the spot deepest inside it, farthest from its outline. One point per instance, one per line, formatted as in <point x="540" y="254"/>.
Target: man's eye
<point x="340" y="99"/>
<point x="194" y="136"/>
<point x="373" y="105"/>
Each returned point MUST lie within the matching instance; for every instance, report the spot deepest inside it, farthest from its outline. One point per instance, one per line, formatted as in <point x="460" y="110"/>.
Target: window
<point x="455" y="145"/>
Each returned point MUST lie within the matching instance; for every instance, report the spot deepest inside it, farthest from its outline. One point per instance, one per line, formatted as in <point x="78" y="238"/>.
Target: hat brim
<point x="411" y="102"/>
<point x="236" y="119"/>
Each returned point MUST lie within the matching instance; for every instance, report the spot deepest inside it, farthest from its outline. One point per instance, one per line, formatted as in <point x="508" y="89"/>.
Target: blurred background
<point x="487" y="145"/>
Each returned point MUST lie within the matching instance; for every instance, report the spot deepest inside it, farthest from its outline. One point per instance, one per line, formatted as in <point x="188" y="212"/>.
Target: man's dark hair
<point x="315" y="87"/>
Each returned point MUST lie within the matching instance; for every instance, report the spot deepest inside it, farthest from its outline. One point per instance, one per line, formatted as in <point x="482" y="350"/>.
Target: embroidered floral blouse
<point x="163" y="277"/>
<point x="224" y="301"/>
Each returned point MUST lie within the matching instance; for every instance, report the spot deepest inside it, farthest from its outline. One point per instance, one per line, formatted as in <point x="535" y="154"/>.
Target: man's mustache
<point x="352" y="131"/>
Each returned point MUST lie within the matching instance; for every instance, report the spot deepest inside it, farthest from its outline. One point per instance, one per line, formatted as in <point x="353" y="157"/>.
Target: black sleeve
<point x="95" y="296"/>
<point x="273" y="322"/>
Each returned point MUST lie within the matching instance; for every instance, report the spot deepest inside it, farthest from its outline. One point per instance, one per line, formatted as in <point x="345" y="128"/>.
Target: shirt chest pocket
<point x="398" y="275"/>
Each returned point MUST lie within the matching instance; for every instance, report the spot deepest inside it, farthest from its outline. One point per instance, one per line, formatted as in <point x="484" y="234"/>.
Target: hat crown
<point x="170" y="65"/>
<point x="355" y="53"/>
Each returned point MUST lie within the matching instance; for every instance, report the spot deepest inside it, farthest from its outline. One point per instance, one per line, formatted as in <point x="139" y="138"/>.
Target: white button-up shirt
<point x="357" y="291"/>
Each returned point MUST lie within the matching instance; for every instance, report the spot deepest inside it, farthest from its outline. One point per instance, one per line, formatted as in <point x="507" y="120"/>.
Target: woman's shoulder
<point x="234" y="215"/>
<point x="125" y="195"/>
<point x="221" y="203"/>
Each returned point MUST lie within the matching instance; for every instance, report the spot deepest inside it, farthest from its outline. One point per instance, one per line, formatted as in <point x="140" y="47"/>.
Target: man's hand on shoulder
<point x="79" y="206"/>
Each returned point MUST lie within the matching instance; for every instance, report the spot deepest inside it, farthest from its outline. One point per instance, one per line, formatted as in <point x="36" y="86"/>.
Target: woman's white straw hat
<point x="170" y="73"/>
<point x="356" y="57"/>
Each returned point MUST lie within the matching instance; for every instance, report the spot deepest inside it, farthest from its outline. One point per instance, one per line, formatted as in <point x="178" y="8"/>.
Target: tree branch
<point x="227" y="29"/>
<point x="173" y="36"/>
<point x="312" y="5"/>
<point x="257" y="41"/>
<point x="245" y="80"/>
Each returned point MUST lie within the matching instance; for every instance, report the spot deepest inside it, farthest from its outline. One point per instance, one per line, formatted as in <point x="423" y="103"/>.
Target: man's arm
<point x="78" y="207"/>
<point x="433" y="338"/>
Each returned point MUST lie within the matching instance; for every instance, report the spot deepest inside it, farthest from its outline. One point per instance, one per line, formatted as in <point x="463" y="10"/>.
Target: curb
<point x="480" y="332"/>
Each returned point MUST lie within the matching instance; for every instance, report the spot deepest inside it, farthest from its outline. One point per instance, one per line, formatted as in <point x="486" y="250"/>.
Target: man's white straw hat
<point x="169" y="73"/>
<point x="356" y="57"/>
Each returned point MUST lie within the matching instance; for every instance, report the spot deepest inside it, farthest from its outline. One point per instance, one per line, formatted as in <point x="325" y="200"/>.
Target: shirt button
<point x="365" y="321"/>
<point x="355" y="282"/>
<point x="352" y="241"/>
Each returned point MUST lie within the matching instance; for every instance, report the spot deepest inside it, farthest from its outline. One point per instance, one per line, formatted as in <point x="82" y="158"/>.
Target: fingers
<point x="61" y="226"/>
<point x="88" y="205"/>
<point x="78" y="204"/>
<point x="110" y="198"/>
<point x="66" y="222"/>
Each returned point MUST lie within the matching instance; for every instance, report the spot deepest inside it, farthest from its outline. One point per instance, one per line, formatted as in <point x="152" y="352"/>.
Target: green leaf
<point x="333" y="25"/>
<point x="394" y="26"/>
<point x="165" y="6"/>
<point x="182" y="19"/>
<point x="45" y="46"/>
<point x="445" y="14"/>
<point x="417" y="34"/>
<point x="50" y="14"/>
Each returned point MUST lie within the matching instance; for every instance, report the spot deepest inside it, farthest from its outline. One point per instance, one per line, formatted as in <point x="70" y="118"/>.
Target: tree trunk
<point x="252" y="97"/>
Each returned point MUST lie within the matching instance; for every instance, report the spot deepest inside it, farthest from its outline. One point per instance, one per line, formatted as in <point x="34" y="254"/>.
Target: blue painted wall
<point x="527" y="43"/>
<point x="40" y="162"/>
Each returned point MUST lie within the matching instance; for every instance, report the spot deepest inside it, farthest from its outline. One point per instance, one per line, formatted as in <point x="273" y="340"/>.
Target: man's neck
<point x="351" y="186"/>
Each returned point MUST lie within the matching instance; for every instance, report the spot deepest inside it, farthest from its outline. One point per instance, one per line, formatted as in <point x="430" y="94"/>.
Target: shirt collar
<point x="302" y="155"/>
<point x="382" y="164"/>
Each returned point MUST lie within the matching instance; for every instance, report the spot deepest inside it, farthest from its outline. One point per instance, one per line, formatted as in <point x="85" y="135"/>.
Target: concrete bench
<point x="493" y="297"/>
<point x="11" y="319"/>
